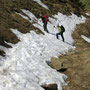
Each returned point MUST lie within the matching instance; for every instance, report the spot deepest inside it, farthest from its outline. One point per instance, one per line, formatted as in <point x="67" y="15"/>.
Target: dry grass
<point x="79" y="61"/>
<point x="8" y="18"/>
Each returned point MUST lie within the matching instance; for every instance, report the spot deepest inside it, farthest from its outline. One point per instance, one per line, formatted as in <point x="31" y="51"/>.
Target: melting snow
<point x="39" y="2"/>
<point x="85" y="38"/>
<point x="31" y="17"/>
<point x="25" y="17"/>
<point x="25" y="67"/>
<point x="87" y="14"/>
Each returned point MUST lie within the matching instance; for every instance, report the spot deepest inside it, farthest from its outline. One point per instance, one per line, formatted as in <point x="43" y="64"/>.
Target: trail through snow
<point x="25" y="67"/>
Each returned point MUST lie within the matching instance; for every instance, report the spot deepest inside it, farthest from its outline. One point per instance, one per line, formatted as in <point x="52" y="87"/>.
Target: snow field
<point x="25" y="64"/>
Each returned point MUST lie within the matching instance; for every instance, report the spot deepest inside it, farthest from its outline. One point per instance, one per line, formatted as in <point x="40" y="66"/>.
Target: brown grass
<point x="76" y="64"/>
<point x="8" y="18"/>
<point x="79" y="60"/>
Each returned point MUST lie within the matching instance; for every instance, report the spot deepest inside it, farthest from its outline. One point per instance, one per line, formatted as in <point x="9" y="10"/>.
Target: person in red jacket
<point x="45" y="21"/>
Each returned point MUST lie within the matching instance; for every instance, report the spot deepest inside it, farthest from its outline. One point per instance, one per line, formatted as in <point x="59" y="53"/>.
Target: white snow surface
<point x="86" y="38"/>
<point x="31" y="17"/>
<point x="25" y="17"/>
<point x="87" y="14"/>
<point x="39" y="2"/>
<point x="25" y="66"/>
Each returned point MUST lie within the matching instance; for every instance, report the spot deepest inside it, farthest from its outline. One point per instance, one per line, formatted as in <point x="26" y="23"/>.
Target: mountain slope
<point x="76" y="64"/>
<point x="25" y="65"/>
<point x="9" y="19"/>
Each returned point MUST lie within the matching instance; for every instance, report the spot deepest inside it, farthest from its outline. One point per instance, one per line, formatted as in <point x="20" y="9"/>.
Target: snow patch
<point x="30" y="15"/>
<point x="39" y="2"/>
<point x="85" y="38"/>
<point x="25" y="64"/>
<point x="25" y="17"/>
<point x="69" y="22"/>
<point x="87" y="14"/>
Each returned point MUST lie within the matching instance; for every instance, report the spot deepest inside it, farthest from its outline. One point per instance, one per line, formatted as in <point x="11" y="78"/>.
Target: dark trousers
<point x="45" y="27"/>
<point x="60" y="33"/>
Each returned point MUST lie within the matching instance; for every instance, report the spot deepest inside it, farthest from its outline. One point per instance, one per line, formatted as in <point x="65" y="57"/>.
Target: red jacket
<point x="46" y="18"/>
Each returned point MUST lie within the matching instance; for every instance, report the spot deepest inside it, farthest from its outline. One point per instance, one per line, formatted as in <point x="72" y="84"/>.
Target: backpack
<point x="43" y="19"/>
<point x="46" y="18"/>
<point x="62" y="28"/>
<point x="59" y="28"/>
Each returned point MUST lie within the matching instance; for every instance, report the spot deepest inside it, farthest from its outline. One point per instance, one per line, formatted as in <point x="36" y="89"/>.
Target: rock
<point x="50" y="87"/>
<point x="58" y="64"/>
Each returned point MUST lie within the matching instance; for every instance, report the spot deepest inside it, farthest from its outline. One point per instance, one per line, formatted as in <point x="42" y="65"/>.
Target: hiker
<point x="45" y="20"/>
<point x="61" y="31"/>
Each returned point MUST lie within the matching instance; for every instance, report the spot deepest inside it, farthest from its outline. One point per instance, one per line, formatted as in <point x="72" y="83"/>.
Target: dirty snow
<point x="25" y="65"/>
<point x="39" y="2"/>
<point x="31" y="17"/>
<point x="86" y="38"/>
<point x="25" y="17"/>
<point x="87" y="14"/>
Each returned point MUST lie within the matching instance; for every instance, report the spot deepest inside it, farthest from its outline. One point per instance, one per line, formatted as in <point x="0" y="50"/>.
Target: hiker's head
<point x="57" y="25"/>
